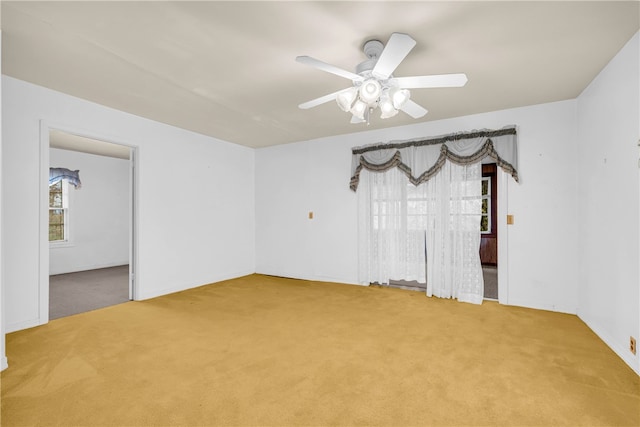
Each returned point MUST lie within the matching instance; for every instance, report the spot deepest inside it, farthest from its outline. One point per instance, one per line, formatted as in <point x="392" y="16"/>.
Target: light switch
<point x="510" y="219"/>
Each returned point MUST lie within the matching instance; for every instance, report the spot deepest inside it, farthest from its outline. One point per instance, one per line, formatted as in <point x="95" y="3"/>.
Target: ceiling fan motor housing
<point x="372" y="49"/>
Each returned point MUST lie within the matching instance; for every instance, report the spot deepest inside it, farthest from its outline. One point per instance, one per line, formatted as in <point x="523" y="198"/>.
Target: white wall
<point x="3" y="357"/>
<point x="196" y="211"/>
<point x="98" y="213"/>
<point x="608" y="202"/>
<point x="293" y="179"/>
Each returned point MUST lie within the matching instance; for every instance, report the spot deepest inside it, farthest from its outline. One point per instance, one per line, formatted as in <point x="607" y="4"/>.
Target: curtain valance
<point x="58" y="174"/>
<point x="421" y="159"/>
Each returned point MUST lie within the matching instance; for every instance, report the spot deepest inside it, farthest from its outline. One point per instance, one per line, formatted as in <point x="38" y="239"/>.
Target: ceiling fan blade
<point x="397" y="48"/>
<point x="414" y="110"/>
<point x="321" y="100"/>
<point x="436" y="80"/>
<point x="315" y="63"/>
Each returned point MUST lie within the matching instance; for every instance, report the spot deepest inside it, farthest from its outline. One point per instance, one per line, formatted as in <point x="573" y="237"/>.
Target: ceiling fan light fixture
<point x="387" y="108"/>
<point x="374" y="85"/>
<point x="359" y="108"/>
<point x="399" y="97"/>
<point x="345" y="99"/>
<point x="370" y="91"/>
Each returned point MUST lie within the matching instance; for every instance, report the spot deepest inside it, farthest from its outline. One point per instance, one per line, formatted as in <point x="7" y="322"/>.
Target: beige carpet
<point x="264" y="351"/>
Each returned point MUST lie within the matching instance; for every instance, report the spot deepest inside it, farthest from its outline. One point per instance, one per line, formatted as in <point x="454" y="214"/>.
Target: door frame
<point x="43" y="232"/>
<point x="503" y="247"/>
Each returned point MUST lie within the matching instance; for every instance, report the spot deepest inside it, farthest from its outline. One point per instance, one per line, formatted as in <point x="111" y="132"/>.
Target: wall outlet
<point x="632" y="345"/>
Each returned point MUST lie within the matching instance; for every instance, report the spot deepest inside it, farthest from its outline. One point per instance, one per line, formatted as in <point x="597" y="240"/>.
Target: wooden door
<point x="489" y="237"/>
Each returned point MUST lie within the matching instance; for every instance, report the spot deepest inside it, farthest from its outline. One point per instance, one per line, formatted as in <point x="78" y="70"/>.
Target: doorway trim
<point x="43" y="231"/>
<point x="503" y="247"/>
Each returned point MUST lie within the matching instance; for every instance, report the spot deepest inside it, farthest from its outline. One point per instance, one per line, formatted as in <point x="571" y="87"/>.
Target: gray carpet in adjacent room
<point x="489" y="273"/>
<point x="74" y="293"/>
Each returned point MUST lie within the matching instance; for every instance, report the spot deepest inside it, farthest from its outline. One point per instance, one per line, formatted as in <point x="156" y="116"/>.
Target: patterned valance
<point x="421" y="159"/>
<point x="58" y="174"/>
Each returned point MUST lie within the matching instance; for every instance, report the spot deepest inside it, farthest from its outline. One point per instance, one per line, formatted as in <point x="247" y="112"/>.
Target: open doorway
<point x="90" y="224"/>
<point x="82" y="291"/>
<point x="493" y="179"/>
<point x="489" y="231"/>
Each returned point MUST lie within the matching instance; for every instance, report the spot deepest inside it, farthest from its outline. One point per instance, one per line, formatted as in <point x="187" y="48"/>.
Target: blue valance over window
<point x="58" y="174"/>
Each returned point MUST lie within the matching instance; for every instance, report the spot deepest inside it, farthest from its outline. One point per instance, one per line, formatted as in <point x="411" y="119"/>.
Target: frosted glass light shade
<point x="370" y="91"/>
<point x="359" y="109"/>
<point x="399" y="97"/>
<point x="386" y="108"/>
<point x="346" y="98"/>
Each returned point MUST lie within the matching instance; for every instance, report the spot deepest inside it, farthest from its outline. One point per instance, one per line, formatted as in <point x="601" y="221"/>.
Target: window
<point x="405" y="210"/>
<point x="485" y="221"/>
<point x="59" y="212"/>
<point x="417" y="208"/>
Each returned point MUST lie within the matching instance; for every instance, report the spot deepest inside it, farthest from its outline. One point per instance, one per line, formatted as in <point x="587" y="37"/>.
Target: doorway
<point x="88" y="252"/>
<point x="489" y="231"/>
<point x="492" y="180"/>
<point x="82" y="291"/>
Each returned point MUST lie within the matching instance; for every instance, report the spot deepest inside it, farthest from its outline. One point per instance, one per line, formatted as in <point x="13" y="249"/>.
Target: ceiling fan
<point x="374" y="84"/>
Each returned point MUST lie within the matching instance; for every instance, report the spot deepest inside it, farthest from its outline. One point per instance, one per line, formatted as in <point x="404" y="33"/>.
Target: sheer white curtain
<point x="397" y="220"/>
<point x="454" y="209"/>
<point x="391" y="239"/>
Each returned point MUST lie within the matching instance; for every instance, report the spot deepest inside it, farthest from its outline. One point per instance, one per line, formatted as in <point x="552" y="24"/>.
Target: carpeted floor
<point x="489" y="274"/>
<point x="74" y="293"/>
<point x="266" y="351"/>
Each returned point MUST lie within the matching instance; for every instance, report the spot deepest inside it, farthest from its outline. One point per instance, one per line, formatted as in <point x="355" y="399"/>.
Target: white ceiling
<point x="228" y="69"/>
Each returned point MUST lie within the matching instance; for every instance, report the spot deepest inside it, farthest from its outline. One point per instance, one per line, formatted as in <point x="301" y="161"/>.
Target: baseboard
<point x="166" y="291"/>
<point x="25" y="324"/>
<point x="543" y="306"/>
<point x="621" y="351"/>
<point x="334" y="280"/>
<point x="313" y="278"/>
<point x="89" y="267"/>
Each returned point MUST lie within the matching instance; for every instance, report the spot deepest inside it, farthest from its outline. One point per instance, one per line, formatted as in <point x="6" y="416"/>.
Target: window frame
<point x="490" y="171"/>
<point x="488" y="215"/>
<point x="66" y="241"/>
